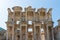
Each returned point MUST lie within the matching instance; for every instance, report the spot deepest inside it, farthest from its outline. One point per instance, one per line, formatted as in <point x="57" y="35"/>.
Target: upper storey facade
<point x="29" y="14"/>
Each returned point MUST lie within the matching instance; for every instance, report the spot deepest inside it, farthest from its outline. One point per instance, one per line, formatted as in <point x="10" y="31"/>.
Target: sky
<point x="4" y="4"/>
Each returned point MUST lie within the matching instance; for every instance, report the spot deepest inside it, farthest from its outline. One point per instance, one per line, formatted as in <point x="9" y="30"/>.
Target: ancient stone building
<point x="29" y="24"/>
<point x="2" y="34"/>
<point x="57" y="31"/>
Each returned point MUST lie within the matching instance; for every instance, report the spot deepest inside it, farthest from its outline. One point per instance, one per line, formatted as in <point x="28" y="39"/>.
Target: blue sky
<point x="4" y="4"/>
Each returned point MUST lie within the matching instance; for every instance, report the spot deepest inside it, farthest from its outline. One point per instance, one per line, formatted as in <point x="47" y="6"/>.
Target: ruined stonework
<point x="29" y="24"/>
<point x="57" y="31"/>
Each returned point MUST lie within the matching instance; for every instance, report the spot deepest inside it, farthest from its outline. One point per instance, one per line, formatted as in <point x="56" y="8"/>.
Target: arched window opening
<point x="30" y="22"/>
<point x="17" y="22"/>
<point x="30" y="29"/>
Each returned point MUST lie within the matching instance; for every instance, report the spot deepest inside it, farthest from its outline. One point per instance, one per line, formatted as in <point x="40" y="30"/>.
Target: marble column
<point x="34" y="26"/>
<point x="13" y="26"/>
<point x="7" y="34"/>
<point x="52" y="34"/>
<point x="34" y="31"/>
<point x="47" y="33"/>
<point x="13" y="33"/>
<point x="26" y="27"/>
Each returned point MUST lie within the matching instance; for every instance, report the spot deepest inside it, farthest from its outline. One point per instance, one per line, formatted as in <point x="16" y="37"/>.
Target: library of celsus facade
<point x="29" y="24"/>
